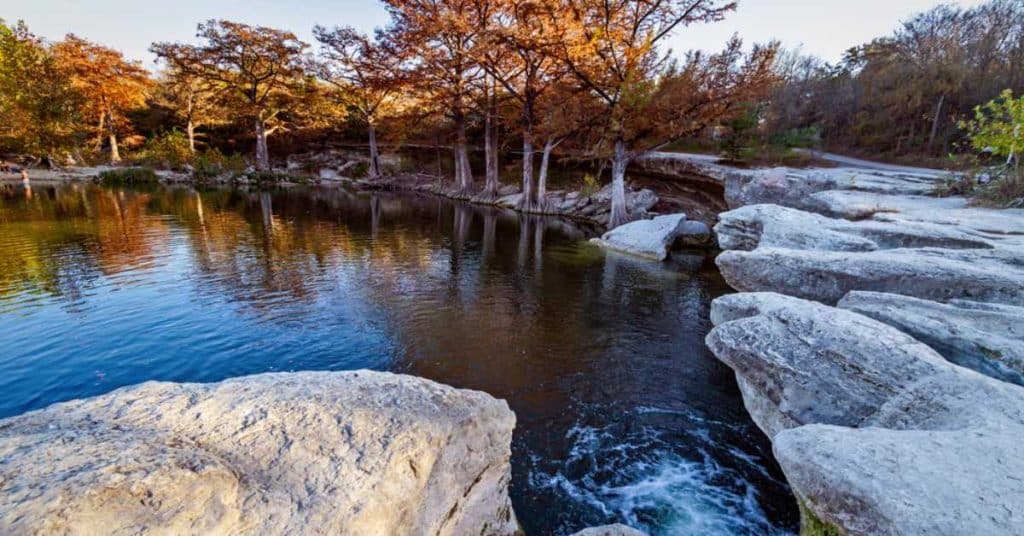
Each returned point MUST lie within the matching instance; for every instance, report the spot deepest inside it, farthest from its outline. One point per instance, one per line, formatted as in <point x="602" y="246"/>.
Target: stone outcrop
<point x="875" y="431"/>
<point x="300" y="453"/>
<point x="930" y="273"/>
<point x="897" y="412"/>
<point x="652" y="239"/>
<point x="988" y="338"/>
<point x="750" y="227"/>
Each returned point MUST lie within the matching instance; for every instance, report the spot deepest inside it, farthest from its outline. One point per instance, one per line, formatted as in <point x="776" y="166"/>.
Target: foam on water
<point x="645" y="481"/>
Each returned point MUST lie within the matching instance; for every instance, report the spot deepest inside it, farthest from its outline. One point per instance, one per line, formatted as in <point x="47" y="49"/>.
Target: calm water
<point x="623" y="416"/>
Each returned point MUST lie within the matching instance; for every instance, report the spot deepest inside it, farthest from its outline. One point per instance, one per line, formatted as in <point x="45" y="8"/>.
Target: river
<point x="623" y="414"/>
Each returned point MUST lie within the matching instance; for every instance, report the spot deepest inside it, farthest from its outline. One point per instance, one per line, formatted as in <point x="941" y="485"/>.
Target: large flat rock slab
<point x="299" y="453"/>
<point x="983" y="337"/>
<point x="987" y="275"/>
<point x="750" y="227"/>
<point x="875" y="431"/>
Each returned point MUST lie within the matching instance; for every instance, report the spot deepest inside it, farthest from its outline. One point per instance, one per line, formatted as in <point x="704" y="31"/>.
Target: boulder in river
<point x="645" y="238"/>
<point x="296" y="453"/>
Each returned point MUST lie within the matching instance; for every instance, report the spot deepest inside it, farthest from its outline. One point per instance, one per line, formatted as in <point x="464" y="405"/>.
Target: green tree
<point x="998" y="127"/>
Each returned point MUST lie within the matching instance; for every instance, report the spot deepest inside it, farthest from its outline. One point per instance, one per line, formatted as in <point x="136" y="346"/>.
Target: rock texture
<point x="301" y="453"/>
<point x="984" y="337"/>
<point x="876" y="432"/>
<point x="617" y="529"/>
<point x="930" y="273"/>
<point x="899" y="411"/>
<point x="651" y="239"/>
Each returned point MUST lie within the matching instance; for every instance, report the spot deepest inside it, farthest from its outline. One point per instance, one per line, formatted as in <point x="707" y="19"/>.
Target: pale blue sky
<point x="823" y="27"/>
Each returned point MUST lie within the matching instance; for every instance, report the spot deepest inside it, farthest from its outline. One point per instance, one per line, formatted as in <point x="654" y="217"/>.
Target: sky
<point x="825" y="28"/>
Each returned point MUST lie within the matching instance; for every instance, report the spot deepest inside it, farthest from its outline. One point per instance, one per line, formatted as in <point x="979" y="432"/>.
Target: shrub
<point x="359" y="171"/>
<point x="129" y="176"/>
<point x="998" y="129"/>
<point x="213" y="163"/>
<point x="805" y="138"/>
<point x="169" y="150"/>
<point x="590" y="185"/>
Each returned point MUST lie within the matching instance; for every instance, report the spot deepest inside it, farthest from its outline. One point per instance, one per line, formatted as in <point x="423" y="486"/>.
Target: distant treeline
<point x="582" y="78"/>
<point x="905" y="94"/>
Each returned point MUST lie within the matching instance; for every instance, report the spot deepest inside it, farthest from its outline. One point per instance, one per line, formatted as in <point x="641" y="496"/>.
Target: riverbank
<point x="656" y="190"/>
<point x="877" y="341"/>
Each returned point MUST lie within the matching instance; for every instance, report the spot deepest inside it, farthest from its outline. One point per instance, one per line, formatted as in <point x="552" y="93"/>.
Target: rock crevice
<point x="877" y="342"/>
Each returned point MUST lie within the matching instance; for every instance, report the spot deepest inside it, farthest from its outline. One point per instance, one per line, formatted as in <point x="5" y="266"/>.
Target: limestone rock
<point x="876" y="433"/>
<point x="989" y="275"/>
<point x="872" y="481"/>
<point x="752" y="226"/>
<point x="796" y="187"/>
<point x="299" y="453"/>
<point x="695" y="233"/>
<point x="646" y="238"/>
<point x="617" y="529"/>
<point x="982" y="337"/>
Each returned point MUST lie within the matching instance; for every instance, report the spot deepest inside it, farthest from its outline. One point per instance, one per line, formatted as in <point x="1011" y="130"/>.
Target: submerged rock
<point x="645" y="238"/>
<point x="617" y="529"/>
<point x="987" y="338"/>
<point x="312" y="452"/>
<point x="876" y="432"/>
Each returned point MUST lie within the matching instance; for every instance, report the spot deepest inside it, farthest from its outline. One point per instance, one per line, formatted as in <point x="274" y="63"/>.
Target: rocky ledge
<point x="879" y="344"/>
<point x="299" y="453"/>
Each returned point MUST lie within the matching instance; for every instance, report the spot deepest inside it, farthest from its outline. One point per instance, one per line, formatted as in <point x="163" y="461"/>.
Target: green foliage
<point x="133" y="176"/>
<point x="213" y="163"/>
<point x="741" y="134"/>
<point x="590" y="185"/>
<point x="169" y="150"/>
<point x="998" y="129"/>
<point x="998" y="126"/>
<point x="359" y="171"/>
<point x="805" y="138"/>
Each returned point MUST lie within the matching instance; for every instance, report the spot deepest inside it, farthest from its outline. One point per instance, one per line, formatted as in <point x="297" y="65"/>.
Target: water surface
<point x="623" y="415"/>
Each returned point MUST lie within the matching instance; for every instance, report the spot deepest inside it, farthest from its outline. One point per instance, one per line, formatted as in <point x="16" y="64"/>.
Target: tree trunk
<point x="115" y="155"/>
<point x="528" y="196"/>
<point x="262" y="154"/>
<point x="462" y="154"/>
<point x="491" y="144"/>
<point x="99" y="132"/>
<point x="542" y="179"/>
<point x="374" y="153"/>
<point x="619" y="214"/>
<point x="190" y="131"/>
<point x="935" y="123"/>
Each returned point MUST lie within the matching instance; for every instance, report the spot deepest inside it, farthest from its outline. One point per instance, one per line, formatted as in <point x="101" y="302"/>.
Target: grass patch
<point x="129" y="177"/>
